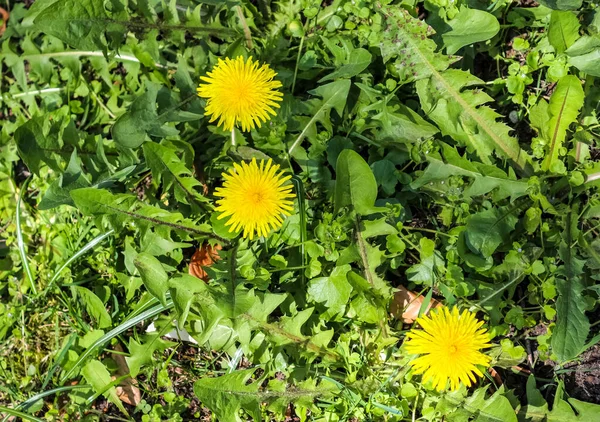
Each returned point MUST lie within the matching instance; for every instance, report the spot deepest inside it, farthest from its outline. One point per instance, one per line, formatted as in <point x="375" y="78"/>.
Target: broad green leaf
<point x="572" y="325"/>
<point x="94" y="307"/>
<point x="153" y="275"/>
<point x="563" y="30"/>
<point x="562" y="4"/>
<point x="355" y="183"/>
<point x="357" y="61"/>
<point x="83" y="24"/>
<point x="431" y="265"/>
<point x="183" y="289"/>
<point x="58" y="192"/>
<point x="140" y="121"/>
<point x="565" y="103"/>
<point x="227" y="394"/>
<point x="333" y="97"/>
<point x="168" y="169"/>
<point x="468" y="27"/>
<point x="96" y="374"/>
<point x="486" y="230"/>
<point x="40" y="141"/>
<point x="584" y="54"/>
<point x="333" y="291"/>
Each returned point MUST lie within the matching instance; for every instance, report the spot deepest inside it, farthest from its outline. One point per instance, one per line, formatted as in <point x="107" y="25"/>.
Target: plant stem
<point x="233" y="137"/>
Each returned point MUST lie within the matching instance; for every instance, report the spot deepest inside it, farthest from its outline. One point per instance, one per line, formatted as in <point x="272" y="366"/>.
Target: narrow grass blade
<point x="21" y="243"/>
<point x="91" y="245"/>
<point x="30" y="401"/>
<point x="115" y="332"/>
<point x="16" y="413"/>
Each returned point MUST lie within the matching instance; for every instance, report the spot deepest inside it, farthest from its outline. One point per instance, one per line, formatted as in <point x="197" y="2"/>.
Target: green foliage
<point x="443" y="148"/>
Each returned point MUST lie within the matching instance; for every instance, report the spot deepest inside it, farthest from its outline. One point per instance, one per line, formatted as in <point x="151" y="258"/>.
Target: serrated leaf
<point x="140" y="354"/>
<point x="117" y="210"/>
<point x="169" y="169"/>
<point x="486" y="178"/>
<point x="468" y="27"/>
<point x="445" y="96"/>
<point x="406" y="39"/>
<point x="227" y="394"/>
<point x="565" y="103"/>
<point x="572" y="325"/>
<point x="58" y="192"/>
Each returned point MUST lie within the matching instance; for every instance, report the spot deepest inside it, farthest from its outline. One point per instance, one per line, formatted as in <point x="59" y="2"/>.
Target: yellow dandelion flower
<point x="450" y="345"/>
<point x="255" y="198"/>
<point x="239" y="91"/>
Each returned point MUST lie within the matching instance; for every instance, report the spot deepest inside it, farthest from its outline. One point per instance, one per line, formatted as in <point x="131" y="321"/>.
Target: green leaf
<point x="96" y="374"/>
<point x="153" y="275"/>
<point x="461" y="113"/>
<point x="140" y="354"/>
<point x="563" y="30"/>
<point x="572" y="325"/>
<point x="83" y="24"/>
<point x="584" y="54"/>
<point x="183" y="289"/>
<point x="58" y="192"/>
<point x="565" y="103"/>
<point x="117" y="210"/>
<point x="334" y="97"/>
<point x="562" y="4"/>
<point x="489" y="229"/>
<point x="468" y="27"/>
<point x="406" y="41"/>
<point x="94" y="307"/>
<point x="486" y="178"/>
<point x="167" y="168"/>
<point x="355" y="183"/>
<point x="140" y="121"/>
<point x="227" y="394"/>
<point x="333" y="291"/>
<point x="40" y="141"/>
<point x="358" y="60"/>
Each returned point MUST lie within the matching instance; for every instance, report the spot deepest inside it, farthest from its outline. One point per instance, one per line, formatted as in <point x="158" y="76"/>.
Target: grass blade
<point x="91" y="245"/>
<point x="21" y="243"/>
<point x="115" y="332"/>
<point x="16" y="413"/>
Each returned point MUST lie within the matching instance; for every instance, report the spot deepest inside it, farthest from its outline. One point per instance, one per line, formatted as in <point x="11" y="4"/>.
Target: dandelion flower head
<point x="450" y="344"/>
<point x="255" y="198"/>
<point x="240" y="92"/>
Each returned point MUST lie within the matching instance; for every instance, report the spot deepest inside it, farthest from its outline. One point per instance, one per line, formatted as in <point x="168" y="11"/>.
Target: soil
<point x="583" y="383"/>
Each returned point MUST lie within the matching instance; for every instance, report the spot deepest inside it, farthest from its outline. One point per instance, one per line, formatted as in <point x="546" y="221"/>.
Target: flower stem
<point x="233" y="137"/>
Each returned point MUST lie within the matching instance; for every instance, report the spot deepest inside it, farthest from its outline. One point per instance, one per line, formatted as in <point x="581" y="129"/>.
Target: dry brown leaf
<point x="406" y="305"/>
<point x="205" y="256"/>
<point x="4" y="16"/>
<point x="127" y="391"/>
<point x="495" y="375"/>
